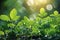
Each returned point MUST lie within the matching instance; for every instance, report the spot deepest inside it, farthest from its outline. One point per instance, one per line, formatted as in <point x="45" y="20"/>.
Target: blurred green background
<point x="23" y="8"/>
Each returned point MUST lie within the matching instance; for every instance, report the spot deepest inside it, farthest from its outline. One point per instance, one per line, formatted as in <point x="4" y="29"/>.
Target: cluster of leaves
<point x="43" y="25"/>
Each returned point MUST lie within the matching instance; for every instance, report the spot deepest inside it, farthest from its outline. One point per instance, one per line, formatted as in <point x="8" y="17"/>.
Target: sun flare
<point x="36" y="2"/>
<point x="43" y="1"/>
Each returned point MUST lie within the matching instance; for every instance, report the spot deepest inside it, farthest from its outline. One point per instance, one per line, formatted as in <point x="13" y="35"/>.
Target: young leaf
<point x="16" y="18"/>
<point x="7" y="31"/>
<point x="1" y="33"/>
<point x="4" y="18"/>
<point x="13" y="15"/>
<point x="19" y="23"/>
<point x="55" y="12"/>
<point x="42" y="12"/>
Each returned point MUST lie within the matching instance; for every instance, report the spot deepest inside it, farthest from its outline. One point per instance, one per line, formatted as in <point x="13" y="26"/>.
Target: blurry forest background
<point x="23" y="8"/>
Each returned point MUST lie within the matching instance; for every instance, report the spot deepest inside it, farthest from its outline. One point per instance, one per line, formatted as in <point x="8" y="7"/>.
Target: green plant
<point x="43" y="25"/>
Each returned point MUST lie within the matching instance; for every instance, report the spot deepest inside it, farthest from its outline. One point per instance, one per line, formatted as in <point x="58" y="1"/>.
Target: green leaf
<point x="38" y="18"/>
<point x="19" y="23"/>
<point x="42" y="12"/>
<point x="53" y="26"/>
<point x="11" y="25"/>
<point x="26" y="18"/>
<point x="16" y="18"/>
<point x="13" y="15"/>
<point x="7" y="31"/>
<point x="1" y="33"/>
<point x="4" y="18"/>
<point x="56" y="13"/>
<point x="35" y="30"/>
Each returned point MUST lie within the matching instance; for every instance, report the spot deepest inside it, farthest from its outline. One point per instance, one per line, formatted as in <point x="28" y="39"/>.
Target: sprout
<point x="42" y="13"/>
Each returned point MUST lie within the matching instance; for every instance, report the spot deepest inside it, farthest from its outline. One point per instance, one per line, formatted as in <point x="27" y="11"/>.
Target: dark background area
<point x="2" y="7"/>
<point x="58" y="5"/>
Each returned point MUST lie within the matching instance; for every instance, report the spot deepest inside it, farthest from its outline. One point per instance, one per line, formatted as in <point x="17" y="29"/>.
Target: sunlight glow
<point x="36" y="2"/>
<point x="30" y="2"/>
<point x="43" y="1"/>
<point x="32" y="17"/>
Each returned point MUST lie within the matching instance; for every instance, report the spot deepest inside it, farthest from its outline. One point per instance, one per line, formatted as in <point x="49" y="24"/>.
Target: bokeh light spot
<point x="49" y="7"/>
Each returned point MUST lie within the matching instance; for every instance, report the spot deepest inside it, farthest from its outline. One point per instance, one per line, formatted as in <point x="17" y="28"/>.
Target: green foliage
<point x="42" y="25"/>
<point x="50" y="31"/>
